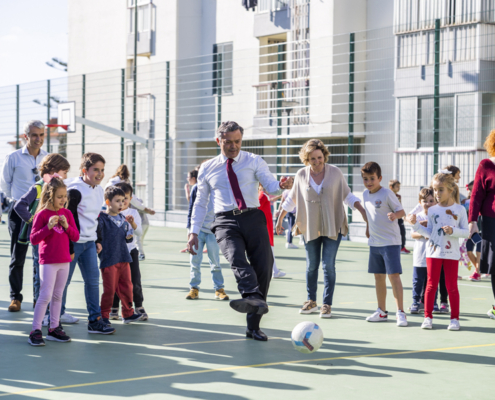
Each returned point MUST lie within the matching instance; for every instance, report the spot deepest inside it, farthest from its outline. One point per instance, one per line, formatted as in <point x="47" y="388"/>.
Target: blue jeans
<point x="213" y="258"/>
<point x="419" y="285"/>
<point x="324" y="249"/>
<point x="85" y="256"/>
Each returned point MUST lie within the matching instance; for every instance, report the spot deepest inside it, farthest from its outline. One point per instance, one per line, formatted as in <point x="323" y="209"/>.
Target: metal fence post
<point x="167" y="135"/>
<point x="219" y="93"/>
<point x="436" y="98"/>
<point x="280" y="68"/>
<point x="122" y="115"/>
<point x="48" y="104"/>
<point x="17" y="118"/>
<point x="83" y="136"/>
<point x="350" y="139"/>
<point x="134" y="104"/>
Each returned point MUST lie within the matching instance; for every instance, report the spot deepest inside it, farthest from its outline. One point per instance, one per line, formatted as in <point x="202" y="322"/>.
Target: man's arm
<point x="265" y="177"/>
<point x="6" y="177"/>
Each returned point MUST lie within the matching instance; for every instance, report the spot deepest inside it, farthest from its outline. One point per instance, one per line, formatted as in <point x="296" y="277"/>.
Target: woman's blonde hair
<point x="490" y="144"/>
<point x="310" y="146"/>
<point x="449" y="181"/>
<point x="48" y="192"/>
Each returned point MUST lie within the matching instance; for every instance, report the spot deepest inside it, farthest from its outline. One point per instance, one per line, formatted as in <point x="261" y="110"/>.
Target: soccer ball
<point x="307" y="337"/>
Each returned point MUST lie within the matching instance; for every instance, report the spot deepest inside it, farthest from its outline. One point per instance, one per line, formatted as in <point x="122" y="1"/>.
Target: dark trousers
<point x="241" y="235"/>
<point x="137" y="289"/>
<point x="17" y="256"/>
<point x="444" y="294"/>
<point x="291" y="220"/>
<point x="402" y="232"/>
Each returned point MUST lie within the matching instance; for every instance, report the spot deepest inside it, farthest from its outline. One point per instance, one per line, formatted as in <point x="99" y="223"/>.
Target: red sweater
<point x="265" y="206"/>
<point x="483" y="194"/>
<point x="53" y="243"/>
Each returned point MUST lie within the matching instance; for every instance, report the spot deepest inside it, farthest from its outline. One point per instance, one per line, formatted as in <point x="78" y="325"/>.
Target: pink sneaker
<point x="475" y="277"/>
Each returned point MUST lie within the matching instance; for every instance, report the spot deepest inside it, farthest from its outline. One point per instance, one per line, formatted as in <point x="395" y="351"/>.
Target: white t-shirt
<point x="441" y="245"/>
<point x="416" y="210"/>
<point x="419" y="252"/>
<point x="138" y="230"/>
<point x="383" y="232"/>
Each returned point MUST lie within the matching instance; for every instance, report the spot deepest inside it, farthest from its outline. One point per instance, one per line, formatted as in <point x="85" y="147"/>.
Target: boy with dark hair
<point x="137" y="289"/>
<point x="85" y="196"/>
<point x="394" y="186"/>
<point x="383" y="209"/>
<point x="114" y="232"/>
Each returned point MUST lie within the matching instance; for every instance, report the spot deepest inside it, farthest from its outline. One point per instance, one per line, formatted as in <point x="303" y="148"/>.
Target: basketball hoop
<point x="57" y="126"/>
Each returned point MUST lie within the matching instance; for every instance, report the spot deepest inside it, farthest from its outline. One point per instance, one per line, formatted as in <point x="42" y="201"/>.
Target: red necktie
<point x="234" y="184"/>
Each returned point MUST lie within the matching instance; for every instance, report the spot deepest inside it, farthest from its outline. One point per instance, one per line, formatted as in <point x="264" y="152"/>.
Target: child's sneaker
<point x="427" y="324"/>
<point x="454" y="325"/>
<point x="436" y="310"/>
<point x="114" y="314"/>
<point x="491" y="313"/>
<point x="404" y="251"/>
<point x="401" y="318"/>
<point x="422" y="306"/>
<point x="100" y="326"/>
<point x="279" y="274"/>
<point x="475" y="277"/>
<point x="57" y="335"/>
<point x="414" y="308"/>
<point x="36" y="338"/>
<point x="132" y="318"/>
<point x="291" y="246"/>
<point x="378" y="316"/>
<point x="66" y="318"/>
<point x="107" y="321"/>
<point x="46" y="321"/>
<point x="309" y="307"/>
<point x="444" y="308"/>
<point x="142" y="313"/>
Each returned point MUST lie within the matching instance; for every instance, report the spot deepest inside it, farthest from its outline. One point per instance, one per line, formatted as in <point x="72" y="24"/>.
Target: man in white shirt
<point x="232" y="180"/>
<point x="19" y="173"/>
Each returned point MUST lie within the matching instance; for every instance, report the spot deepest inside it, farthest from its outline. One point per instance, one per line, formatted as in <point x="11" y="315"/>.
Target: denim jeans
<point x="213" y="258"/>
<point x="85" y="256"/>
<point x="419" y="285"/>
<point x="324" y="249"/>
<point x="36" y="274"/>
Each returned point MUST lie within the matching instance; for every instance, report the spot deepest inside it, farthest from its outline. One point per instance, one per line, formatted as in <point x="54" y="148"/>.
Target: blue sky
<point x="31" y="33"/>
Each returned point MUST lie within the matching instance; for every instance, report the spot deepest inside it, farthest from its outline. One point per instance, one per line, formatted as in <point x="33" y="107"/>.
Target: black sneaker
<point x="142" y="313"/>
<point x="132" y="318"/>
<point x="106" y="321"/>
<point x="99" y="326"/>
<point x="57" y="335"/>
<point x="36" y="338"/>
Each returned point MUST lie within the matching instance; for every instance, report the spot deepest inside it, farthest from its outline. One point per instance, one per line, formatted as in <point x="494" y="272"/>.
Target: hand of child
<point x="448" y="230"/>
<point x="149" y="211"/>
<point x="99" y="248"/>
<point x="391" y="216"/>
<point x="130" y="219"/>
<point x="411" y="218"/>
<point x="424" y="223"/>
<point x="128" y="237"/>
<point x="53" y="221"/>
<point x="63" y="222"/>
<point x="72" y="256"/>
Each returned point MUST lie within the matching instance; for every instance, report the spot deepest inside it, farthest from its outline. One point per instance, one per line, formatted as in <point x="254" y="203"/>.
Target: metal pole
<point x="219" y="93"/>
<point x="17" y="118"/>
<point x="350" y="138"/>
<point x="48" y="115"/>
<point x="436" y="98"/>
<point x="122" y="114"/>
<point x="134" y="105"/>
<point x="167" y="135"/>
<point x="83" y="138"/>
<point x="280" y="68"/>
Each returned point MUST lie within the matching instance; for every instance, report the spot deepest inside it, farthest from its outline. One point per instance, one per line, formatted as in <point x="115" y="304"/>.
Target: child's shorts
<point x="385" y="260"/>
<point x="470" y="246"/>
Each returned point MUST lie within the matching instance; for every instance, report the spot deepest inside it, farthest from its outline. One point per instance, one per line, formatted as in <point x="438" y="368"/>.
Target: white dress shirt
<point x="213" y="181"/>
<point x="17" y="172"/>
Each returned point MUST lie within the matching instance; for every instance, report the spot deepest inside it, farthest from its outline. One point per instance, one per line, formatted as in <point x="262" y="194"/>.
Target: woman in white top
<point x="319" y="193"/>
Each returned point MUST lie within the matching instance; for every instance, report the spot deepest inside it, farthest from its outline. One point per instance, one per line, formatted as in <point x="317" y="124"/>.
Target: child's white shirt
<point x="138" y="231"/>
<point x="441" y="245"/>
<point x="417" y="209"/>
<point x="419" y="252"/>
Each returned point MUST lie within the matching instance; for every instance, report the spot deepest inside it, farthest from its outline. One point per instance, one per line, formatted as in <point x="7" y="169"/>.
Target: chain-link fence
<point x="415" y="97"/>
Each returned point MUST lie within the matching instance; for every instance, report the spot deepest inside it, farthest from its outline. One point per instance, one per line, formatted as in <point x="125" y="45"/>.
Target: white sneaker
<point x="401" y="318"/>
<point x="427" y="324"/>
<point x="45" y="321"/>
<point x="291" y="246"/>
<point x="66" y="318"/>
<point x="279" y="274"/>
<point x="378" y="316"/>
<point x="454" y="325"/>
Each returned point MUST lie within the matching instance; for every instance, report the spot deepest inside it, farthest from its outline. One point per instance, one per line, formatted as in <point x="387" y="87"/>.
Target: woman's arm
<point x="279" y="229"/>
<point x="478" y="194"/>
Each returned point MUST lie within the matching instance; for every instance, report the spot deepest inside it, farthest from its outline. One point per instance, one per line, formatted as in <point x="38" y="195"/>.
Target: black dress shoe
<point x="256" y="334"/>
<point x="250" y="306"/>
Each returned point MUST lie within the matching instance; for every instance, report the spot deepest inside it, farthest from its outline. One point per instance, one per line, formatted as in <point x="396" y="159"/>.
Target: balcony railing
<point x="272" y="5"/>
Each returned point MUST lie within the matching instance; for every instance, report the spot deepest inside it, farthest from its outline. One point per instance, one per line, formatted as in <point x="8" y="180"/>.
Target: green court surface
<point x="197" y="349"/>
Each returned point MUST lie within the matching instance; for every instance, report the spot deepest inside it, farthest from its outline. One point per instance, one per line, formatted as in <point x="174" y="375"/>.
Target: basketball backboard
<point x="67" y="116"/>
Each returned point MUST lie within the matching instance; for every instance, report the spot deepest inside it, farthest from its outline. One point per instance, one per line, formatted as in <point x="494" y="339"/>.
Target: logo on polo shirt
<point x="378" y="203"/>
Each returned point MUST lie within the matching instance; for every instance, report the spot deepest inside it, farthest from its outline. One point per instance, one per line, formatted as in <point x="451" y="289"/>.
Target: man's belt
<point x="236" y="211"/>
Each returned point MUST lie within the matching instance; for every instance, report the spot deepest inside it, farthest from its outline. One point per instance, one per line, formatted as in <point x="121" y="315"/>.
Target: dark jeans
<point x="420" y="277"/>
<point x="324" y="249"/>
<point x="291" y="220"/>
<point x="17" y="256"/>
<point x="137" y="289"/>
<point x="241" y="235"/>
<point x="444" y="294"/>
<point x="402" y="232"/>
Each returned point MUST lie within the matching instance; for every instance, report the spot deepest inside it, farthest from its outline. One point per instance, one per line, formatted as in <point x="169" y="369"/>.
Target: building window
<point x="222" y="68"/>
<point x="426" y="122"/>
<point x="407" y="122"/>
<point x="488" y="115"/>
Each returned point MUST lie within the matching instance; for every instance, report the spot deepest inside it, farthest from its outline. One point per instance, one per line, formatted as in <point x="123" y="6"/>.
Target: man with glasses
<point x="19" y="173"/>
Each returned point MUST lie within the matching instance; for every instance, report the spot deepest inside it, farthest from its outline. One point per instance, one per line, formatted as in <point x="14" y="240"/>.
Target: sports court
<point x="197" y="349"/>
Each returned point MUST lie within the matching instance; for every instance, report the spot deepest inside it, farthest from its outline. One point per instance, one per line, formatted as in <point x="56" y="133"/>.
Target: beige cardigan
<point x="323" y="214"/>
